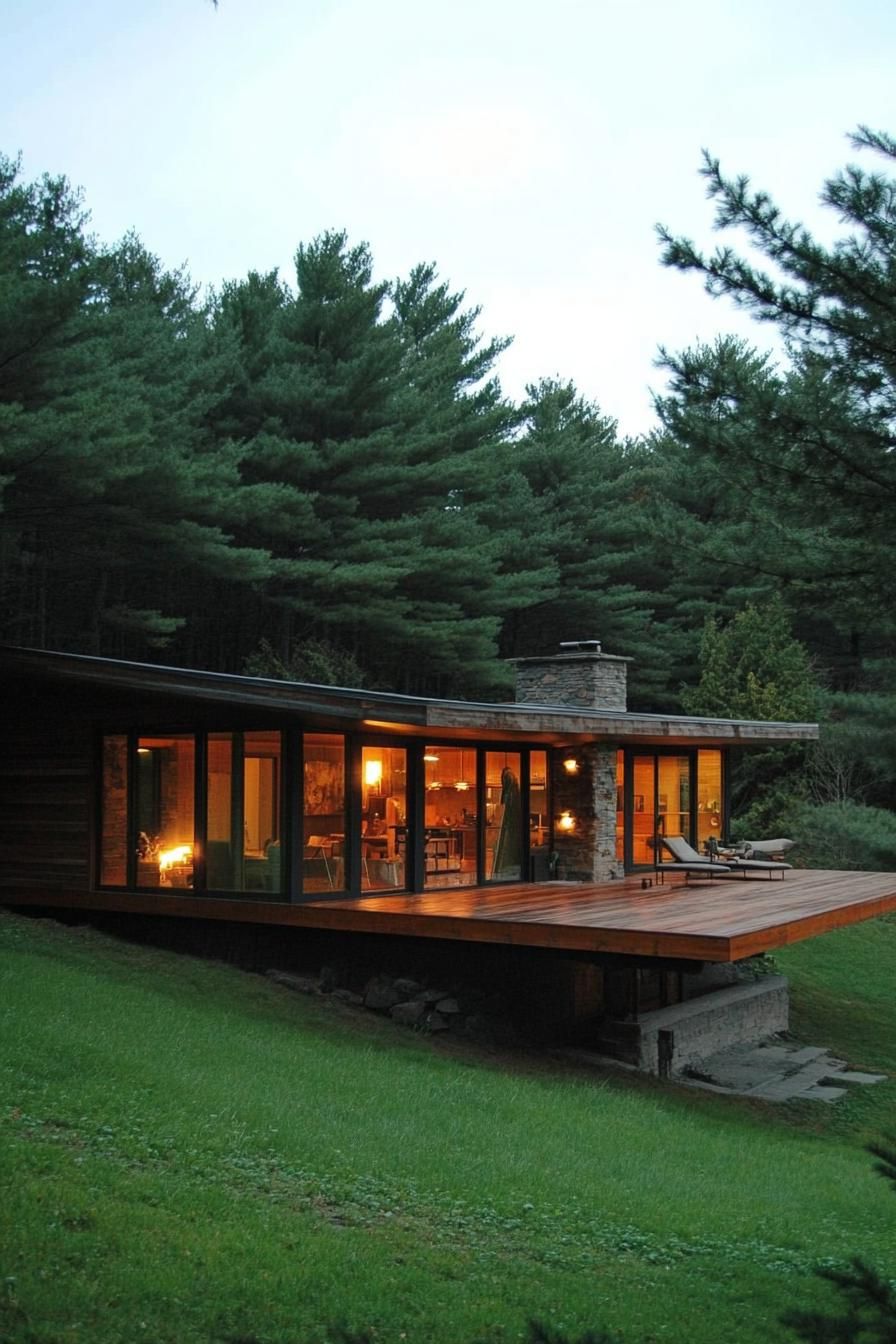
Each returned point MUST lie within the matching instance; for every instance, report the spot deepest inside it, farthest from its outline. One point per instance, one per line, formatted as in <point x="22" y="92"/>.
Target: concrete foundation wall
<point x="700" y="1027"/>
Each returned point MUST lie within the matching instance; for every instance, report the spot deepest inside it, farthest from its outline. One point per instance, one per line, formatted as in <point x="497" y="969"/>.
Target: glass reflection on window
<point x="323" y="819"/>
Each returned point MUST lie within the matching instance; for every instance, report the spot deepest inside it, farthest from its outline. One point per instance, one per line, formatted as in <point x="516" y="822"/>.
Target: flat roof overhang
<point x="718" y="920"/>
<point x="383" y="712"/>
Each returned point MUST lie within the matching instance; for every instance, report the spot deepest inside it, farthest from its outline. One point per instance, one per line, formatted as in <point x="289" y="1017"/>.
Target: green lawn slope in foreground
<point x="192" y="1153"/>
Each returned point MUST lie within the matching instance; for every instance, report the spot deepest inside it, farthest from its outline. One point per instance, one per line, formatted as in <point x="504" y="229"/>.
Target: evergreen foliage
<point x="314" y="661"/>
<point x="331" y="464"/>
<point x="753" y="668"/>
<point x="794" y="460"/>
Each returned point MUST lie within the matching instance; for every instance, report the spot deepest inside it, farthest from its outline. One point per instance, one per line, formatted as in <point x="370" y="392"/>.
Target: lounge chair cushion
<point x="682" y="852"/>
<point x="685" y="853"/>
<point x="765" y="848"/>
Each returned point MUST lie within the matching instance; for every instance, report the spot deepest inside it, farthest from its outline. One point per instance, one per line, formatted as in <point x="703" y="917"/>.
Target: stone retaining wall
<point x="698" y="1028"/>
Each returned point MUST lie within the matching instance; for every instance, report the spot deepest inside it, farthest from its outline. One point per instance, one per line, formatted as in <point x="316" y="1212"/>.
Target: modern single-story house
<point x="163" y="791"/>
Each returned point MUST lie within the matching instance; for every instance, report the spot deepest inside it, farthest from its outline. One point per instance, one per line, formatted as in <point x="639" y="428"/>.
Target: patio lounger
<point x="765" y="849"/>
<point x="683" y="853"/>
<point x="703" y="868"/>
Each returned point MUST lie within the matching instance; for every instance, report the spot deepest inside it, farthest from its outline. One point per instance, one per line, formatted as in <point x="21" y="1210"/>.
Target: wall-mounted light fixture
<point x="566" y="823"/>
<point x="373" y="773"/>
<point x="572" y="765"/>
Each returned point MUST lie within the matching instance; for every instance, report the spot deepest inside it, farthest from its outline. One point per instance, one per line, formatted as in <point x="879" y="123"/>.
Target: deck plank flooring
<point x="721" y="920"/>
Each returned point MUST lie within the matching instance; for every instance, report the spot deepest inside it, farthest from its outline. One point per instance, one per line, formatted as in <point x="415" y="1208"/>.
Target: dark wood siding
<point x="44" y="800"/>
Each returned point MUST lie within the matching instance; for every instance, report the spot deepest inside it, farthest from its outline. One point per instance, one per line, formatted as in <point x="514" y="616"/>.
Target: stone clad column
<point x="581" y="676"/>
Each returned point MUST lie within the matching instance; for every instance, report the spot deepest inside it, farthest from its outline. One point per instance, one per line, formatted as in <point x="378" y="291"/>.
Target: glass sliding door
<point x="449" y="816"/>
<point x="243" y="806"/>
<point x="673" y="812"/>
<point x="539" y="808"/>
<point x="643" y="828"/>
<point x="661" y="803"/>
<point x="384" y="820"/>
<point x="620" y="806"/>
<point x="503" y="817"/>
<point x="709" y="796"/>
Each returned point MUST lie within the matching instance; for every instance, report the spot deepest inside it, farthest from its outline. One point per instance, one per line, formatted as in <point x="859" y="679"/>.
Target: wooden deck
<point x="722" y="920"/>
<point x="718" y="920"/>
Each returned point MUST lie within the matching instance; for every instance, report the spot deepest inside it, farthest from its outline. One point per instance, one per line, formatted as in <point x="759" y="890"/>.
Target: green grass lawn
<point x="192" y="1153"/>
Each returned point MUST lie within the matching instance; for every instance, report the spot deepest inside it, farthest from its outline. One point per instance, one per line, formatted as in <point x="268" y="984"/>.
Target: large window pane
<point x="164" y="801"/>
<point x="503" y="820"/>
<point x="262" y="866"/>
<point x="620" y="805"/>
<point x="323" y="822"/>
<point x="384" y="828"/>
<point x="449" y="841"/>
<point x="709" y="795"/>
<point x="539" y="807"/>
<point x="114" y="839"/>
<point x="243" y="813"/>
<point x="643" y="815"/>
<point x="674" y="795"/>
<point x="223" y="858"/>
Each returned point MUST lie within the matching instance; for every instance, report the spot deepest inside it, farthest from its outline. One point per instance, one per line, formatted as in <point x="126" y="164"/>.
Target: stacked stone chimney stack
<point x="580" y="676"/>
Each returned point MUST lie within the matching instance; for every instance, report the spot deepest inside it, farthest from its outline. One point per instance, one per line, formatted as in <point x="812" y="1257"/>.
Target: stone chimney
<point x="580" y="676"/>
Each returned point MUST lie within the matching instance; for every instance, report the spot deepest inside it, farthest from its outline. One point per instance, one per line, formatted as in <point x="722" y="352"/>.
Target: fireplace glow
<point x="175" y="858"/>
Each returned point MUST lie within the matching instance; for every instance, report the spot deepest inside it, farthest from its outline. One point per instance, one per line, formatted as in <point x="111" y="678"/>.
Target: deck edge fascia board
<point x="335" y="916"/>
<point x="798" y="929"/>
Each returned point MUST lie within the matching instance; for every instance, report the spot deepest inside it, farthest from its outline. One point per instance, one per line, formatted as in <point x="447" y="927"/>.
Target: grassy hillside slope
<point x="191" y="1153"/>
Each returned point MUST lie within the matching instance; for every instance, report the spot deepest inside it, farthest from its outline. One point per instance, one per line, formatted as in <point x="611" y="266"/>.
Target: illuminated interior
<point x="449" y="816"/>
<point x="243" y="792"/>
<point x="661" y="802"/>
<point x="620" y="806"/>
<point x="709" y="796"/>
<point x="165" y="787"/>
<point x="539" y="815"/>
<point x="486" y="815"/>
<point x="503" y="817"/>
<point x="384" y="828"/>
<point x="323" y="813"/>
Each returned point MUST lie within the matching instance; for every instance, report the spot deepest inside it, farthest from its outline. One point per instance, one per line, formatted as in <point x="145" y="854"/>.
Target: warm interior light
<point x="566" y="822"/>
<point x="461" y="785"/>
<point x="171" y="858"/>
<point x="571" y="765"/>
<point x="373" y="773"/>
<point x="144" y="751"/>
<point x="430" y="756"/>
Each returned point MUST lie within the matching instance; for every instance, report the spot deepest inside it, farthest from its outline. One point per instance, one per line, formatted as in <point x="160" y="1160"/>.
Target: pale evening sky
<point x="528" y="149"/>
